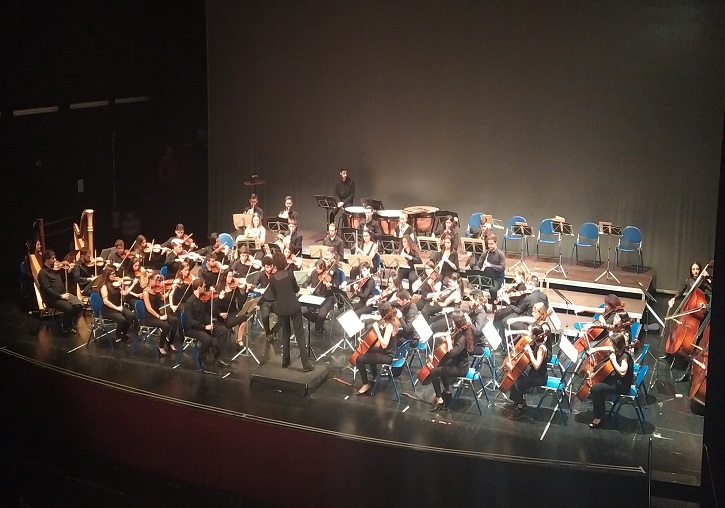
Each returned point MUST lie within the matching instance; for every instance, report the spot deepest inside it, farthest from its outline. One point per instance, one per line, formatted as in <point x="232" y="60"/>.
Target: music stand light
<point x="606" y="228"/>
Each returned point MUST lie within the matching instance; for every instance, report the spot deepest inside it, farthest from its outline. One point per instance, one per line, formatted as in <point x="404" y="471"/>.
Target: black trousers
<point x="168" y="328"/>
<point x="372" y="358"/>
<point x="71" y="309"/>
<point x="524" y="383"/>
<point x="289" y="323"/>
<point x="599" y="392"/>
<point x="443" y="375"/>
<point x="208" y="340"/>
<point x="318" y="315"/>
<point x="123" y="319"/>
<point x="265" y="309"/>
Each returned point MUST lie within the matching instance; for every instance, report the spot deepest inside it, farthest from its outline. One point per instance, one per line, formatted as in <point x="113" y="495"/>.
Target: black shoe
<point x="447" y="398"/>
<point x="518" y="413"/>
<point x="309" y="368"/>
<point x="438" y="406"/>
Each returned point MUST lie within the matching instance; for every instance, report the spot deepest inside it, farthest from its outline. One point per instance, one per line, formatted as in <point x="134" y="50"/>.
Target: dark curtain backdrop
<point x="588" y="110"/>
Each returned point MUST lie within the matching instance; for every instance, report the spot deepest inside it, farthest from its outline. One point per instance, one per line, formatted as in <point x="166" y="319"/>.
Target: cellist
<point x="619" y="381"/>
<point x="383" y="350"/>
<point x="538" y="353"/>
<point x="454" y="363"/>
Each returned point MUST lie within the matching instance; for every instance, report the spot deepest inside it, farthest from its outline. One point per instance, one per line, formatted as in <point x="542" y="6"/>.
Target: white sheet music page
<point x="492" y="336"/>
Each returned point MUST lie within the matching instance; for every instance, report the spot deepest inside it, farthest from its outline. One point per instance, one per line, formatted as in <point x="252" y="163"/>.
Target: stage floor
<point x="674" y="430"/>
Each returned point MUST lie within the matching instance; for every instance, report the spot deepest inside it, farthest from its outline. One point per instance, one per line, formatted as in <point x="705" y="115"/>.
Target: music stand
<point x="317" y="251"/>
<point x="606" y="228"/>
<point x="278" y="226"/>
<point x="474" y="247"/>
<point x="249" y="243"/>
<point x="241" y="221"/>
<point x="560" y="227"/>
<point x="477" y="279"/>
<point x="250" y="306"/>
<point x="524" y="231"/>
<point x="357" y="259"/>
<point x="393" y="261"/>
<point x="351" y="326"/>
<point x="374" y="204"/>
<point x="428" y="243"/>
<point x="273" y="248"/>
<point x="349" y="236"/>
<point x="488" y="219"/>
<point x="327" y="203"/>
<point x="389" y="244"/>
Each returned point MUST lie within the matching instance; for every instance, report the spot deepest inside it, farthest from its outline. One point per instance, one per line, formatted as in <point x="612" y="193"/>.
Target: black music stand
<point x="249" y="243"/>
<point x="560" y="228"/>
<point x="250" y="307"/>
<point x="389" y="244"/>
<point x="278" y="226"/>
<point x="524" y="231"/>
<point x="606" y="228"/>
<point x="474" y="247"/>
<point x="374" y="204"/>
<point x="327" y="203"/>
<point x="428" y="243"/>
<point x="350" y="237"/>
<point x="273" y="248"/>
<point x="477" y="279"/>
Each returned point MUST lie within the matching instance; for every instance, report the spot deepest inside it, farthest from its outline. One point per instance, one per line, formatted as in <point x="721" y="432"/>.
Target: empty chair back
<point x="96" y="304"/>
<point x="631" y="235"/>
<point x="140" y="309"/>
<point x="226" y="239"/>
<point x="588" y="231"/>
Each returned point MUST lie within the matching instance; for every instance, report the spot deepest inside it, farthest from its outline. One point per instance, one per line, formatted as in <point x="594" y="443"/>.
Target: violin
<point x="123" y="281"/>
<point x="63" y="265"/>
<point x="208" y="294"/>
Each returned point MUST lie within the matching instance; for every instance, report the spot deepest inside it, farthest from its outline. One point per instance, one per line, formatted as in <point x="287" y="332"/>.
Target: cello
<point x="517" y="360"/>
<point x="698" y="381"/>
<point x="431" y="364"/>
<point x="366" y="343"/>
<point x="686" y="320"/>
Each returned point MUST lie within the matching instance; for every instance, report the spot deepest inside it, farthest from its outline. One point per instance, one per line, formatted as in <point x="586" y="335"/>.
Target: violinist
<point x="523" y="308"/>
<point x="367" y="248"/>
<point x="119" y="258"/>
<point x="230" y="302"/>
<point x="293" y="262"/>
<point x="389" y="294"/>
<point x="622" y="323"/>
<point x="345" y="192"/>
<point x="334" y="241"/>
<point x="454" y="363"/>
<point x="114" y="293"/>
<point x="180" y="287"/>
<point x="174" y="258"/>
<point x="84" y="272"/>
<point x="363" y="287"/>
<point x="408" y="313"/>
<point x="705" y="284"/>
<point x="140" y="248"/>
<point x="138" y="283"/>
<point x="516" y="290"/>
<point x="450" y="296"/>
<point x="429" y="286"/>
<point x="447" y="258"/>
<point x="619" y="381"/>
<point x="477" y="316"/>
<point x="293" y="239"/>
<point x="538" y="354"/>
<point x="370" y="225"/>
<point x="283" y="290"/>
<point x="53" y="286"/>
<point x="211" y="272"/>
<point x="287" y="212"/>
<point x="158" y="314"/>
<point x="383" y="350"/>
<point x="180" y="235"/>
<point x="323" y="276"/>
<point x="266" y="301"/>
<point x="245" y="265"/>
<point x="216" y="247"/>
<point x="493" y="265"/>
<point x="409" y="250"/>
<point x="199" y="324"/>
<point x="448" y="228"/>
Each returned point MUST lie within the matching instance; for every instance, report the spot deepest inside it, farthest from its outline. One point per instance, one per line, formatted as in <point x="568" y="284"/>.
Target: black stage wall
<point x="589" y="110"/>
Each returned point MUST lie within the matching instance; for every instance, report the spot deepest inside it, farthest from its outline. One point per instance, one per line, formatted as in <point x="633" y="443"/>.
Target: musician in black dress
<point x="284" y="288"/>
<point x="199" y="324"/>
<point x="538" y="353"/>
<point x="454" y="363"/>
<point x="334" y="241"/>
<point x="446" y="259"/>
<point x="450" y="296"/>
<point x="493" y="265"/>
<point x="363" y="288"/>
<point x="345" y="192"/>
<point x="448" y="228"/>
<point x="431" y="284"/>
<point x="705" y="284"/>
<point x="321" y="280"/>
<point x="113" y="295"/>
<point x="384" y="346"/>
<point x="158" y="314"/>
<point x="409" y="250"/>
<point x="619" y="381"/>
<point x="54" y="290"/>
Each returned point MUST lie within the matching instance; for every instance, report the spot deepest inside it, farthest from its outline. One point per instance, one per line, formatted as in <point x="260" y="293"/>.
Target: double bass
<point x="686" y="320"/>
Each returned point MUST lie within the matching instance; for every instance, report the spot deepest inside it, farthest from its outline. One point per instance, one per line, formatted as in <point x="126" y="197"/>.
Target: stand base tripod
<point x="246" y="350"/>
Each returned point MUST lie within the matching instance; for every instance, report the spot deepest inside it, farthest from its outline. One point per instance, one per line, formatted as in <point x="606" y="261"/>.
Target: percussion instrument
<point x="355" y="216"/>
<point x="423" y="216"/>
<point x="388" y="220"/>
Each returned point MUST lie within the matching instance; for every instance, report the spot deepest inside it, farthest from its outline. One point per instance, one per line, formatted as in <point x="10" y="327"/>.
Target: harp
<point x="83" y="231"/>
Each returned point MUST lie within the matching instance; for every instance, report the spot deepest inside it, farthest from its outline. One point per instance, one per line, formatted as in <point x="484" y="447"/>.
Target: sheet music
<point x="421" y="326"/>
<point x="311" y="299"/>
<point x="568" y="349"/>
<point x="350" y="322"/>
<point x="492" y="336"/>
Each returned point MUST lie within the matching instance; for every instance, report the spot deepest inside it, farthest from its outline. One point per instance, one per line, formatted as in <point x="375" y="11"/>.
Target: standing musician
<point x="538" y="353"/>
<point x="84" y="272"/>
<point x="431" y="284"/>
<point x="523" y="308"/>
<point x="447" y="258"/>
<point x="705" y="284"/>
<point x="231" y="298"/>
<point x="363" y="287"/>
<point x="409" y="250"/>
<point x="334" y="241"/>
<point x="288" y="204"/>
<point x="283" y="288"/>
<point x="369" y="224"/>
<point x="383" y="350"/>
<point x="448" y="228"/>
<point x="158" y="314"/>
<point x="113" y="294"/>
<point x="493" y="265"/>
<point x="450" y="296"/>
<point x="404" y="228"/>
<point x="199" y="324"/>
<point x="293" y="239"/>
<point x="367" y="248"/>
<point x="408" y="313"/>
<point x="454" y="363"/>
<point x="54" y="289"/>
<point x="345" y="192"/>
<point x="619" y="381"/>
<point x="179" y="234"/>
<point x="323" y="276"/>
<point x="253" y="207"/>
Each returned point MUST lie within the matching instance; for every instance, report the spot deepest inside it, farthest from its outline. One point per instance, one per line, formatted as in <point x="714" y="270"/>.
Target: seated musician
<point x="409" y="250"/>
<point x="288" y="204"/>
<point x="370" y="224"/>
<point x="430" y="284"/>
<point x="404" y="228"/>
<point x="523" y="308"/>
<point x="293" y="239"/>
<point x="448" y="228"/>
<point x="619" y="381"/>
<point x="408" y="313"/>
<point x="363" y="287"/>
<point x="158" y="314"/>
<point x="120" y="258"/>
<point x="84" y="272"/>
<point x="450" y="296"/>
<point x="54" y="289"/>
<point x="321" y="280"/>
<point x="232" y="295"/>
<point x="113" y="295"/>
<point x="216" y="247"/>
<point x="174" y="258"/>
<point x="211" y="272"/>
<point x="478" y="317"/>
<point x="517" y="290"/>
<point x="334" y="241"/>
<point x="294" y="262"/>
<point x="493" y="265"/>
<point x="454" y="363"/>
<point x="446" y="258"/>
<point x="245" y="264"/>
<point x="258" y="233"/>
<point x="266" y="302"/>
<point x="140" y="279"/>
<point x="181" y="287"/>
<point x="389" y="294"/>
<point x="367" y="248"/>
<point x="383" y="350"/>
<point x="538" y="354"/>
<point x="612" y="305"/>
<point x="622" y="324"/>
<point x="180" y="234"/>
<point x="705" y="284"/>
<point x="345" y="193"/>
<point x="199" y="324"/>
<point x="254" y="206"/>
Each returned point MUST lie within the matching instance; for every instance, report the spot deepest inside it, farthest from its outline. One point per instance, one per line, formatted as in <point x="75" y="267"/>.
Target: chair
<point x="164" y="271"/>
<point x="556" y="387"/>
<point x="144" y="332"/>
<point x="547" y="235"/>
<point x="187" y="341"/>
<point x="399" y="361"/>
<point x="511" y="334"/>
<point x="421" y="348"/>
<point x="630" y="241"/>
<point x="588" y="236"/>
<point x="105" y="326"/>
<point x="474" y="224"/>
<point x="633" y="396"/>
<point x="472" y="376"/>
<point x="227" y="240"/>
<point x="510" y="235"/>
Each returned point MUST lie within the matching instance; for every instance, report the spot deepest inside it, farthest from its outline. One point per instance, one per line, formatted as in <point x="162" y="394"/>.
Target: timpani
<point x="355" y="216"/>
<point x="423" y="216"/>
<point x="388" y="220"/>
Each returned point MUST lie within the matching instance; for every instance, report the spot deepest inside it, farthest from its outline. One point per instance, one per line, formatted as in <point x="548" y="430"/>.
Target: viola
<point x="63" y="265"/>
<point x="123" y="281"/>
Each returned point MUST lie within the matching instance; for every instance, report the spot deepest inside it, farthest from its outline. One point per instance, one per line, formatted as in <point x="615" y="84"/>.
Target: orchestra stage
<point x="274" y="444"/>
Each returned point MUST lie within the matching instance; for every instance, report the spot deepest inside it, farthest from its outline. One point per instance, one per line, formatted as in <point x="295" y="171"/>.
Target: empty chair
<point x="588" y="236"/>
<point x="547" y="235"/>
<point x="510" y="235"/>
<point x="630" y="241"/>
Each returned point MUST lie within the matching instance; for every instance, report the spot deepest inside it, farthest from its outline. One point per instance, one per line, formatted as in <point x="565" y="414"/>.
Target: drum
<point x="423" y="216"/>
<point x="355" y="215"/>
<point x="388" y="220"/>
